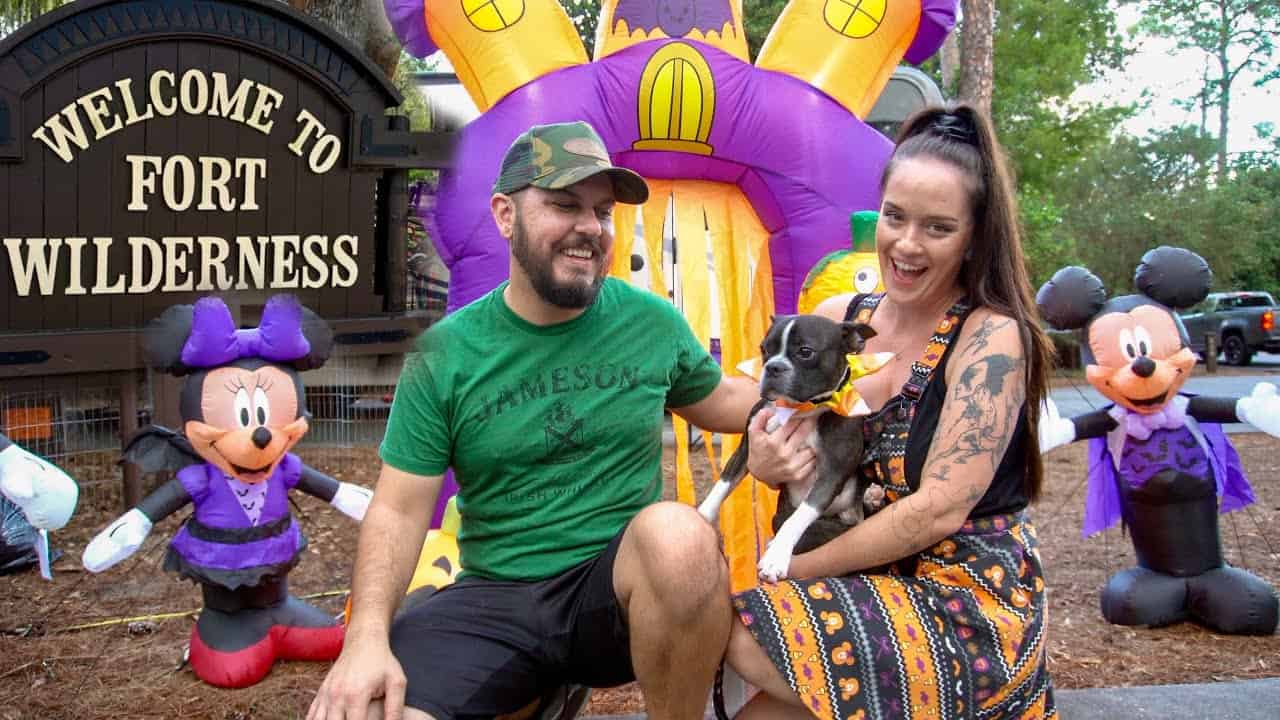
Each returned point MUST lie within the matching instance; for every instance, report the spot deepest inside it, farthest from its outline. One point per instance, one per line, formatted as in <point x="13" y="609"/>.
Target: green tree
<point x="1235" y="35"/>
<point x="758" y="17"/>
<point x="1045" y="50"/>
<point x="16" y="13"/>
<point x="1138" y="193"/>
<point x="585" y="15"/>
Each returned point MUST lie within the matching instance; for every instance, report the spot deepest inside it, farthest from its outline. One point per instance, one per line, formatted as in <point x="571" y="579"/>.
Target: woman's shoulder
<point x="986" y="332"/>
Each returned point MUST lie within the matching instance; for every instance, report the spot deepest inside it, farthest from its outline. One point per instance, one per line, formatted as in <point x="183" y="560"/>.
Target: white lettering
<point x="100" y="287"/>
<point x="327" y="147"/>
<point x="193" y="92"/>
<point x="141" y="179"/>
<point x="43" y="266"/>
<point x="284" y="274"/>
<point x="172" y="166"/>
<point x="346" y="260"/>
<point x="131" y="111"/>
<point x="268" y="100"/>
<point x="95" y="106"/>
<point x="253" y="261"/>
<point x="229" y="106"/>
<point x="213" y="254"/>
<point x="136" y="247"/>
<point x="158" y="102"/>
<point x="76" y="246"/>
<point x="216" y="172"/>
<point x="250" y="169"/>
<point x="62" y="134"/>
<point x="314" y="258"/>
<point x="175" y="262"/>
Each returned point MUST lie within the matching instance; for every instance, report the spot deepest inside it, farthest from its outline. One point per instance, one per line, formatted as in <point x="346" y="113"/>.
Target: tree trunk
<point x="1224" y="104"/>
<point x="977" y="46"/>
<point x="949" y="61"/>
<point x="363" y="22"/>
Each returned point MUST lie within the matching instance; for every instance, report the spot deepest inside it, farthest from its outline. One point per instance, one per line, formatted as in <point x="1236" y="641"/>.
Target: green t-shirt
<point x="554" y="432"/>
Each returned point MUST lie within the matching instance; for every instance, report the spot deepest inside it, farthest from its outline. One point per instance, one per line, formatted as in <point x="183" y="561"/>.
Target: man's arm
<point x="726" y="408"/>
<point x="390" y="541"/>
<point x="391" y="537"/>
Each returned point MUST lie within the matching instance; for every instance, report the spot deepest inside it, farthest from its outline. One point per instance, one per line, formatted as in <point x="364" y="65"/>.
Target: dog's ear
<point x="855" y="334"/>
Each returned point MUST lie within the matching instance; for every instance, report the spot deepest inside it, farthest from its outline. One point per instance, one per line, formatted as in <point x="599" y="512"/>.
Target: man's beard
<point x="573" y="295"/>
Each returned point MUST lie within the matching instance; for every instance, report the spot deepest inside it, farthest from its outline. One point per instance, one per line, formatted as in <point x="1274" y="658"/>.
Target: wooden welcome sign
<point x="154" y="151"/>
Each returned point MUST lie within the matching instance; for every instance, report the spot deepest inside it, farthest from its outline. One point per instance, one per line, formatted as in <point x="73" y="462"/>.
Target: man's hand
<point x="365" y="671"/>
<point x="783" y="456"/>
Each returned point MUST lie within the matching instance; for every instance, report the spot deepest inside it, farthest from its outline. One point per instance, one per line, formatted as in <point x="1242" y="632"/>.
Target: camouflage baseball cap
<point x="553" y="157"/>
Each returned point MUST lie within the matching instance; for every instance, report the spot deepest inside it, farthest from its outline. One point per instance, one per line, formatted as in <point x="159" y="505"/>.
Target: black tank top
<point x="899" y="435"/>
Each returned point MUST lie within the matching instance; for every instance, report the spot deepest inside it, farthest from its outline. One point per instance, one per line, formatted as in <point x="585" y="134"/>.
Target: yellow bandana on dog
<point x="845" y="400"/>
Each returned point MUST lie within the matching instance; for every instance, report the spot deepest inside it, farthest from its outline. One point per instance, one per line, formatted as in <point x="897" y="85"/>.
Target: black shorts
<point x="483" y="648"/>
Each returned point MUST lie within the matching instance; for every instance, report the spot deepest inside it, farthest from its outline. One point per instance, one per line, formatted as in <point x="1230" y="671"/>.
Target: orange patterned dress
<point x="956" y="631"/>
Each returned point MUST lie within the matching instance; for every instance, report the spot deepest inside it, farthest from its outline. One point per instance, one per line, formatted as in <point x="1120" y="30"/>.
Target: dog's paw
<point x="873" y="498"/>
<point x="850" y="516"/>
<point x="774" y="565"/>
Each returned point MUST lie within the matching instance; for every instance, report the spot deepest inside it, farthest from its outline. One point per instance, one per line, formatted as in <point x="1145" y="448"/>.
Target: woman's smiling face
<point x="925" y="226"/>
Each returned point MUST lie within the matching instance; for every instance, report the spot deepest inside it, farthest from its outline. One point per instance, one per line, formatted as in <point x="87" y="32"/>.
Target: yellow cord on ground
<point x="170" y="615"/>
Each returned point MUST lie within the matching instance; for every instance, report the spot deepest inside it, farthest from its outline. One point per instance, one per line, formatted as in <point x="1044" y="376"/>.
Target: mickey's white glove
<point x="1261" y="409"/>
<point x="118" y="541"/>
<point x="45" y="494"/>
<point x="352" y="500"/>
<point x="1055" y="430"/>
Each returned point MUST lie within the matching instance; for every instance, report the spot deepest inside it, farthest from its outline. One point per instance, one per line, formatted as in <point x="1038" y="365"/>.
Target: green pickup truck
<point x="1242" y="323"/>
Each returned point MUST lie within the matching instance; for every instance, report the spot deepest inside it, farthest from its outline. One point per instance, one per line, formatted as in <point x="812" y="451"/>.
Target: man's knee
<point x="677" y="549"/>
<point x="409" y="713"/>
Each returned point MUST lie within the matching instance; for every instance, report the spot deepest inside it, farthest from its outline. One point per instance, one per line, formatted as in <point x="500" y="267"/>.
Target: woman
<point x="934" y="606"/>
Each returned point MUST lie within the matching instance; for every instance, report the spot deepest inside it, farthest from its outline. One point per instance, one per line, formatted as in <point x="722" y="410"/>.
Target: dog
<point x="807" y="371"/>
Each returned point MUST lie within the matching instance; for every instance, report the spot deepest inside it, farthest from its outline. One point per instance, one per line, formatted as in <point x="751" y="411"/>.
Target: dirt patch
<point x="134" y="620"/>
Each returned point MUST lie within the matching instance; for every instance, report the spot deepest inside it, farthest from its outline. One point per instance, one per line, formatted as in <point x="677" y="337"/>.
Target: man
<point x="546" y="398"/>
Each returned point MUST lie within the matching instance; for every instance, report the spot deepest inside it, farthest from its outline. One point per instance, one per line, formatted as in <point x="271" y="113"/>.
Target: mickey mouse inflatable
<point x="1158" y="458"/>
<point x="242" y="407"/>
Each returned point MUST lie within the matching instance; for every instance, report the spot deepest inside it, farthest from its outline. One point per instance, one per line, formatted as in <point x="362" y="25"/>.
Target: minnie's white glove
<point x="352" y="500"/>
<point x="1261" y="409"/>
<point x="118" y="541"/>
<point x="1055" y="430"/>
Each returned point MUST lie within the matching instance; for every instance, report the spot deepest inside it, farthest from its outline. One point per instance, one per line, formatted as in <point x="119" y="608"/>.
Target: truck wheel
<point x="1234" y="351"/>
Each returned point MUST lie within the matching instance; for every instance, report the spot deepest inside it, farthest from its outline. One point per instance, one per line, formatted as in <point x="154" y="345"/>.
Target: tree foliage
<point x="1135" y="194"/>
<point x="585" y="15"/>
<point x="16" y="13"/>
<point x="1044" y="51"/>
<point x="1235" y="35"/>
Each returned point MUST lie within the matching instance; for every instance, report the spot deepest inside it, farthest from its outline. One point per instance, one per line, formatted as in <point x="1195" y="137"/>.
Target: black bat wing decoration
<point x="154" y="448"/>
<point x="674" y="17"/>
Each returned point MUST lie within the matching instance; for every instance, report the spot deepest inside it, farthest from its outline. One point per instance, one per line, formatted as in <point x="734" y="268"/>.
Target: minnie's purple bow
<point x="215" y="341"/>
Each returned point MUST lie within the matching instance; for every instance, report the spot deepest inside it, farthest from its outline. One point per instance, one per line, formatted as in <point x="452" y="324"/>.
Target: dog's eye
<point x="805" y="352"/>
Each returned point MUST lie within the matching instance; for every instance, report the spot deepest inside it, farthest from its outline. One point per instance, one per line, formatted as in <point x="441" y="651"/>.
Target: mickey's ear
<point x="164" y="338"/>
<point x="320" y="336"/>
<point x="1173" y="277"/>
<point x="1071" y="298"/>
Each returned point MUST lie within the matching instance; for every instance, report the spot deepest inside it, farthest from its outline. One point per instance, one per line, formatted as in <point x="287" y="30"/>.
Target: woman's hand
<point x="783" y="456"/>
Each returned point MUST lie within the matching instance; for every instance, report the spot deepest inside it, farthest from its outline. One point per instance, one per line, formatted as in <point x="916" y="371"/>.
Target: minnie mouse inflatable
<point x="243" y="409"/>
<point x="1158" y="458"/>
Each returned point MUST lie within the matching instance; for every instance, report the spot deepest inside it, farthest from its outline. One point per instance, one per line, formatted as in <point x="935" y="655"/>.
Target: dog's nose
<point x="1144" y="367"/>
<point x="773" y="368"/>
<point x="261" y="437"/>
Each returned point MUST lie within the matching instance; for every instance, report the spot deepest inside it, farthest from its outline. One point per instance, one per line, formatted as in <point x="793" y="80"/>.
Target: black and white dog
<point x="805" y="372"/>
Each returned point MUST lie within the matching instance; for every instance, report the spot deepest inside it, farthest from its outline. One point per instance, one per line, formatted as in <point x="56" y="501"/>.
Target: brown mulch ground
<point x="129" y="663"/>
